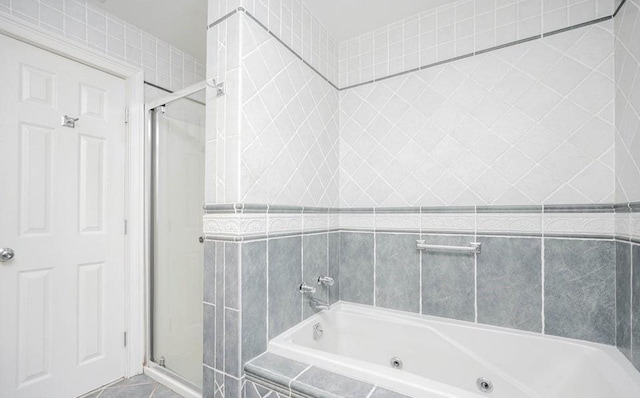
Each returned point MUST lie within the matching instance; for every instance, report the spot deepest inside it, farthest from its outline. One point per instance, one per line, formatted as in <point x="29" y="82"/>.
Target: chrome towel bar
<point x="473" y="248"/>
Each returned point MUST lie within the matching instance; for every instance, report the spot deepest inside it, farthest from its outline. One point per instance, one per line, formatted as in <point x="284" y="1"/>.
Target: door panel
<point x="62" y="296"/>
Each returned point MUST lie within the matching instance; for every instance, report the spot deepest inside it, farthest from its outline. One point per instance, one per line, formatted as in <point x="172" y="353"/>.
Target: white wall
<point x="276" y="130"/>
<point x="460" y="28"/>
<point x="627" y="54"/>
<point x="92" y="27"/>
<point x="528" y="124"/>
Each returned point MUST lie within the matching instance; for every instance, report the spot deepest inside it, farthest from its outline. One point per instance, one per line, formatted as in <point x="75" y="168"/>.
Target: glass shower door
<point x="178" y="142"/>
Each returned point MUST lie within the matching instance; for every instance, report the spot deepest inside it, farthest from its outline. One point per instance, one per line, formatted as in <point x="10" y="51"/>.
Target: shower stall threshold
<point x="172" y="381"/>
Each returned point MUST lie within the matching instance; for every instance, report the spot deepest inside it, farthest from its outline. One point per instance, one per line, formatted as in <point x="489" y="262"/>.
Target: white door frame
<point x="134" y="174"/>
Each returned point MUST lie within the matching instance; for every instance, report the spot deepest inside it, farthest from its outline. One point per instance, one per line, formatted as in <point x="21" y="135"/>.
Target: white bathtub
<point x="445" y="358"/>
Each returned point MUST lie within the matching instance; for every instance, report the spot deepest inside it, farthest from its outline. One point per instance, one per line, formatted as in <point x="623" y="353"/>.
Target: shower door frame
<point x="156" y="371"/>
<point x="134" y="224"/>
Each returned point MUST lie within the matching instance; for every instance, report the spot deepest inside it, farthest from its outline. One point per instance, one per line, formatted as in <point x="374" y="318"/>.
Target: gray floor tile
<point x="129" y="391"/>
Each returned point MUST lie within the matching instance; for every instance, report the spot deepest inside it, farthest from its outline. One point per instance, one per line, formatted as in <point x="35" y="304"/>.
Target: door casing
<point x="135" y="213"/>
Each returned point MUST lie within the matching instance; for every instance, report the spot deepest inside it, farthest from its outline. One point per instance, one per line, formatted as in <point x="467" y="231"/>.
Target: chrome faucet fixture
<point x="306" y="289"/>
<point x="325" y="281"/>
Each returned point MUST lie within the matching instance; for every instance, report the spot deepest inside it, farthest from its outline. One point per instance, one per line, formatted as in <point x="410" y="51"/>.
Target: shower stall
<point x="176" y="145"/>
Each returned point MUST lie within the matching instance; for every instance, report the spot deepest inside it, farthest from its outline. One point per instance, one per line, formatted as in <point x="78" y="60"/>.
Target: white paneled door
<point x="62" y="213"/>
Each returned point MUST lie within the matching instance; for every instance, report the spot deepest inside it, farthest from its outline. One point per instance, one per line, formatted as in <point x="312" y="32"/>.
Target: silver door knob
<point x="6" y="254"/>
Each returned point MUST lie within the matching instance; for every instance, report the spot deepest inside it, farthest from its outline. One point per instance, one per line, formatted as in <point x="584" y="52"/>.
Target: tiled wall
<point x="627" y="141"/>
<point x="457" y="29"/>
<point x="276" y="129"/>
<point x="502" y="286"/>
<point x="294" y="25"/>
<point x="628" y="300"/>
<point x="289" y="126"/>
<point x="251" y="295"/>
<point x="92" y="27"/>
<point x="627" y="66"/>
<point x="527" y="124"/>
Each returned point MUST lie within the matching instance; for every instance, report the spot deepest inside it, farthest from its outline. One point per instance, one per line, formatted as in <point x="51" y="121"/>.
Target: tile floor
<point x="140" y="386"/>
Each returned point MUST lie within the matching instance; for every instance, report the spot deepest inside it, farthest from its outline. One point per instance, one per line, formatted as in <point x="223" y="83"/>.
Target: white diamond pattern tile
<point x="527" y="131"/>
<point x="289" y="127"/>
<point x="627" y="107"/>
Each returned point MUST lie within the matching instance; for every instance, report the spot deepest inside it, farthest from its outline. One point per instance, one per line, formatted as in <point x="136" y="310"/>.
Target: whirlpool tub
<point x="425" y="356"/>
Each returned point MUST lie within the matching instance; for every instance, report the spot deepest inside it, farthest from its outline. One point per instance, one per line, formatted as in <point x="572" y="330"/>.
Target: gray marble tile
<point x="209" y="277"/>
<point x="232" y="365"/>
<point x="635" y="328"/>
<point x="232" y="387"/>
<point x="164" y="392"/>
<point x="580" y="289"/>
<point x="384" y="393"/>
<point x="397" y="272"/>
<point x="509" y="283"/>
<point x="231" y="275"/>
<point x="134" y="380"/>
<point x="219" y="321"/>
<point x="219" y="274"/>
<point x="314" y="264"/>
<point x="94" y="394"/>
<point x="623" y="298"/>
<point x="129" y="391"/>
<point x="320" y="383"/>
<point x="448" y="280"/>
<point x="274" y="368"/>
<point x="209" y="335"/>
<point x="285" y="275"/>
<point x="219" y="385"/>
<point x="334" y="266"/>
<point x="208" y="383"/>
<point x="356" y="267"/>
<point x="254" y="299"/>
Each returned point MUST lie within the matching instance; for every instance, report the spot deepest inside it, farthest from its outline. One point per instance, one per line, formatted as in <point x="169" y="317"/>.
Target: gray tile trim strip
<point x="238" y="239"/>
<point x="513" y="43"/>
<point x="595" y="208"/>
<point x="224" y="17"/>
<point x="619" y="8"/>
<point x="622" y="208"/>
<point x="448" y="209"/>
<point x="509" y="209"/>
<point x="531" y="209"/>
<point x="481" y="233"/>
<point x="578" y="236"/>
<point x="397" y="210"/>
<point x="578" y="26"/>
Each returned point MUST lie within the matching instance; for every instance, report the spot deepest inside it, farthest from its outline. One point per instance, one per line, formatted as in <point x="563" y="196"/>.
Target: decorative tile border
<point x="252" y="221"/>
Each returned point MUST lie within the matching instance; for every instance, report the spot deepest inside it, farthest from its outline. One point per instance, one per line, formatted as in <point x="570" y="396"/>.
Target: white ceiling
<point x="345" y="19"/>
<point x="181" y="23"/>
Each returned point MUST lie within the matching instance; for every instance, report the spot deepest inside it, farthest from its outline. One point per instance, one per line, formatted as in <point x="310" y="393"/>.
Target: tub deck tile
<point x="275" y="368"/>
<point x="320" y="383"/>
<point x="384" y="393"/>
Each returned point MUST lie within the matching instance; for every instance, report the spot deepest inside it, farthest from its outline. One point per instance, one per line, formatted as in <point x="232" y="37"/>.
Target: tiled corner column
<point x="255" y="259"/>
<point x="628" y="282"/>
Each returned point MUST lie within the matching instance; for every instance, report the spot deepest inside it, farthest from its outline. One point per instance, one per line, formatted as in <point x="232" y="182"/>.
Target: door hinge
<point x="126" y="116"/>
<point x="126" y="226"/>
<point x="125" y="339"/>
